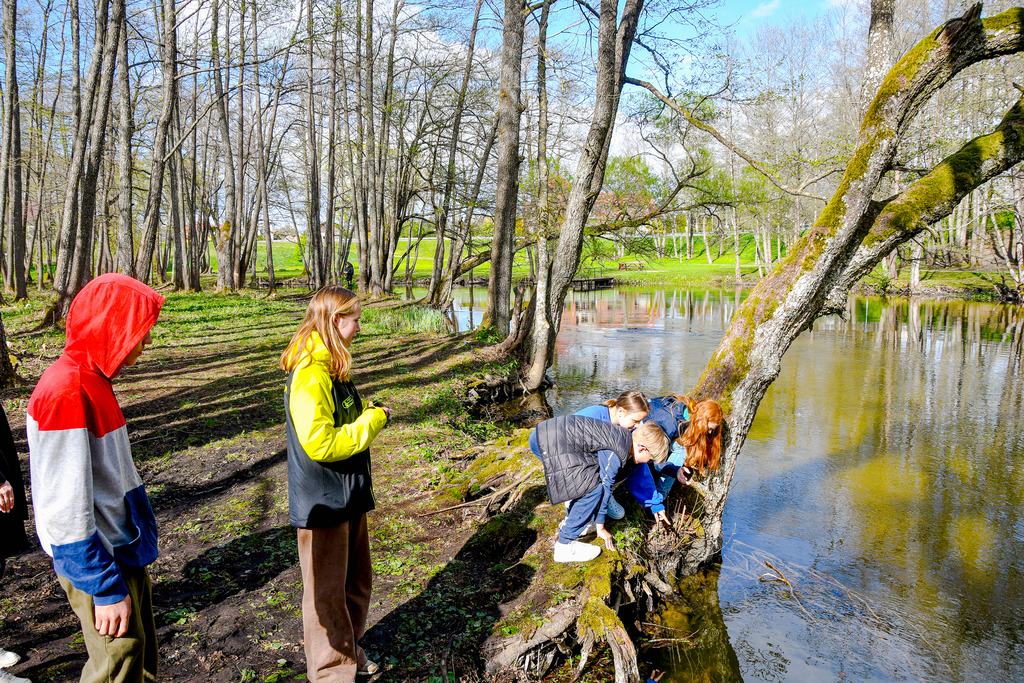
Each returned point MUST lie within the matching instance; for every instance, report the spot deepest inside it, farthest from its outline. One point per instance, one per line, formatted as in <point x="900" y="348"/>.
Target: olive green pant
<point x="130" y="658"/>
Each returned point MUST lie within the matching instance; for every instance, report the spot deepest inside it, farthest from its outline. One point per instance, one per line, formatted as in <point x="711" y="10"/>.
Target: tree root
<point x="566" y="609"/>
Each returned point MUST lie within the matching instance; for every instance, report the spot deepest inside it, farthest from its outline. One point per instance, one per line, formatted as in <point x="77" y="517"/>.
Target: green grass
<point x="403" y="320"/>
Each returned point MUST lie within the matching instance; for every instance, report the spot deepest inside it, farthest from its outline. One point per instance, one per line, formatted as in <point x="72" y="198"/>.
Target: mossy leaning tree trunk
<point x="850" y="236"/>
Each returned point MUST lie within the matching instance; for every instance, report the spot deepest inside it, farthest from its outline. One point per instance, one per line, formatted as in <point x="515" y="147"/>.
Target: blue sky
<point x="746" y="15"/>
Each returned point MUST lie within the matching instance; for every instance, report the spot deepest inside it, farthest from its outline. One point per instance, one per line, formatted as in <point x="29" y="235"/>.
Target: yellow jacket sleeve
<point x="311" y="404"/>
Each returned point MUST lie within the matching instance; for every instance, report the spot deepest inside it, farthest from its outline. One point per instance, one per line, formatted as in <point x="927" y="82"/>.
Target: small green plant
<point x="277" y="598"/>
<point x="180" y="616"/>
<point x="283" y="672"/>
<point x="487" y="335"/>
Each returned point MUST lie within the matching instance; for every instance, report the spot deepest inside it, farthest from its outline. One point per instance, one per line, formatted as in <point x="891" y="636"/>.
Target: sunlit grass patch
<point x="403" y="320"/>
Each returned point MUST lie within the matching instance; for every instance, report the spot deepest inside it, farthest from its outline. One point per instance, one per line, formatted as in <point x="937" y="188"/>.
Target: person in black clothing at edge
<point x="13" y="513"/>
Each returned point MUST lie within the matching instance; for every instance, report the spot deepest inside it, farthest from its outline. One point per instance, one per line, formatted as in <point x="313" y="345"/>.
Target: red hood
<point x="107" y="319"/>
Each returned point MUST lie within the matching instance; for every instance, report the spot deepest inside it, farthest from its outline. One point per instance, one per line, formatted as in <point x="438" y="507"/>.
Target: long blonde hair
<point x="321" y="317"/>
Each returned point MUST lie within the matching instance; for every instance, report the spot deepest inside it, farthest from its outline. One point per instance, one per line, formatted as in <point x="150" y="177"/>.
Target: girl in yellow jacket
<point x="329" y="433"/>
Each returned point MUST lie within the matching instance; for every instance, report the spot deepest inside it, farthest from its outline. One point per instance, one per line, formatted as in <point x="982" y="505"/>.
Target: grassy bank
<point x="205" y="415"/>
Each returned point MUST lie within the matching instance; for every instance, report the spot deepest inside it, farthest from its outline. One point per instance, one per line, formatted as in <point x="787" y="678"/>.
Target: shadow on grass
<point x="226" y="395"/>
<point x="240" y="565"/>
<point x="443" y="628"/>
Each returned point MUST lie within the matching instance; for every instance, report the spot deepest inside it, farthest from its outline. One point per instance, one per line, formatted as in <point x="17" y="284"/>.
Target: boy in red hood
<point x="92" y="513"/>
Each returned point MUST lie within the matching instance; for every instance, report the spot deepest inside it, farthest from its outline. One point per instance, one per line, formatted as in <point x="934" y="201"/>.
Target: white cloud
<point x="765" y="9"/>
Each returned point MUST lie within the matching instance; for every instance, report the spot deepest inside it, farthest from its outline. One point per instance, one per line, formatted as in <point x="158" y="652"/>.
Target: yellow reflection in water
<point x="974" y="540"/>
<point x="885" y="482"/>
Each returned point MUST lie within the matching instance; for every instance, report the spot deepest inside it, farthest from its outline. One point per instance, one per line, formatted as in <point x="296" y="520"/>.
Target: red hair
<point x="703" y="443"/>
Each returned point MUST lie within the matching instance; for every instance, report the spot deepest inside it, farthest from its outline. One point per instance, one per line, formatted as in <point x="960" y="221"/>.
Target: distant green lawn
<point x="598" y="260"/>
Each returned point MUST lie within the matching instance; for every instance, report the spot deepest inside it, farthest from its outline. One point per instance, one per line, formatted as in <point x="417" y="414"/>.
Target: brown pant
<point x="336" y="581"/>
<point x="130" y="658"/>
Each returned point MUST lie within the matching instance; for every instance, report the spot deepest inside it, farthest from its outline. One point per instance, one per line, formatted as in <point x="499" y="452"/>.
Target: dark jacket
<point x="320" y="493"/>
<point x="568" y="447"/>
<point x="12" y="524"/>
<point x="671" y="415"/>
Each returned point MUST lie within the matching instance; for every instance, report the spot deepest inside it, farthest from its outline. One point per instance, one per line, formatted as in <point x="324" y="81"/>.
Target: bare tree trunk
<point x="689" y="236"/>
<point x="39" y="230"/>
<point x="736" y="243"/>
<point x="225" y="234"/>
<point x="542" y="322"/>
<point x="83" y="268"/>
<point x="332" y="146"/>
<point x="125" y="258"/>
<point x="316" y="273"/>
<point x="704" y="235"/>
<point x="177" y="229"/>
<point x="263" y="160"/>
<point x="880" y="49"/>
<point x="75" y="247"/>
<point x="358" y="160"/>
<point x="499" y="286"/>
<point x="168" y="94"/>
<point x="11" y="217"/>
<point x="436" y="275"/>
<point x="197" y="217"/>
<point x="240" y="250"/>
<point x="69" y="227"/>
<point x="615" y="40"/>
<point x="465" y="229"/>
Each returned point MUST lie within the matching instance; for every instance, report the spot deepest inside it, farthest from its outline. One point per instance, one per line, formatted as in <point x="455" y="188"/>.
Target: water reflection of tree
<point x="690" y="639"/>
<point x="931" y="474"/>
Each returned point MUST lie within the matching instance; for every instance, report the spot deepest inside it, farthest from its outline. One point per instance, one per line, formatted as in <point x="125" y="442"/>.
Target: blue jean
<point x="665" y="473"/>
<point x="581" y="512"/>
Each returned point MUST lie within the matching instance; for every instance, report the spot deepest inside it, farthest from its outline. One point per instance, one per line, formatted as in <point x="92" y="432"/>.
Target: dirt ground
<point x="205" y="416"/>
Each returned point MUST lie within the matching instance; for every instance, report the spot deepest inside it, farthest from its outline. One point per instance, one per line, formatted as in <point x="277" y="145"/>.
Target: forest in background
<point x="164" y="139"/>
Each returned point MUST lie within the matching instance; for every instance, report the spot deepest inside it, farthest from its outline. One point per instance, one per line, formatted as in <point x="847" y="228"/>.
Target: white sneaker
<point x="8" y="677"/>
<point x="588" y="529"/>
<point x="8" y="659"/>
<point x="576" y="552"/>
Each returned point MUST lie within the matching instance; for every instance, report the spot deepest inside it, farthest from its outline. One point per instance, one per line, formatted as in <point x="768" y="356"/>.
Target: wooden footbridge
<point x="589" y="284"/>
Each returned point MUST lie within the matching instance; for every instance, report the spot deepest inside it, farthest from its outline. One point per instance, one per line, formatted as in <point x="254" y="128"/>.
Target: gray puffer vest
<point x="568" y="446"/>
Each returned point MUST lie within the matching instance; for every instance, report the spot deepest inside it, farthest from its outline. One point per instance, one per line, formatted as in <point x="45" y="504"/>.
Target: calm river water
<point x="883" y="476"/>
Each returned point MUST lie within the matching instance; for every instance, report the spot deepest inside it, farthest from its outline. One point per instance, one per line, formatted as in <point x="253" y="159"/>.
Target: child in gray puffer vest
<point x="582" y="458"/>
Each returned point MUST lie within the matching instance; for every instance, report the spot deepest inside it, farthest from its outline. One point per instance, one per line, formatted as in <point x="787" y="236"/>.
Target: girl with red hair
<point x="695" y="429"/>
